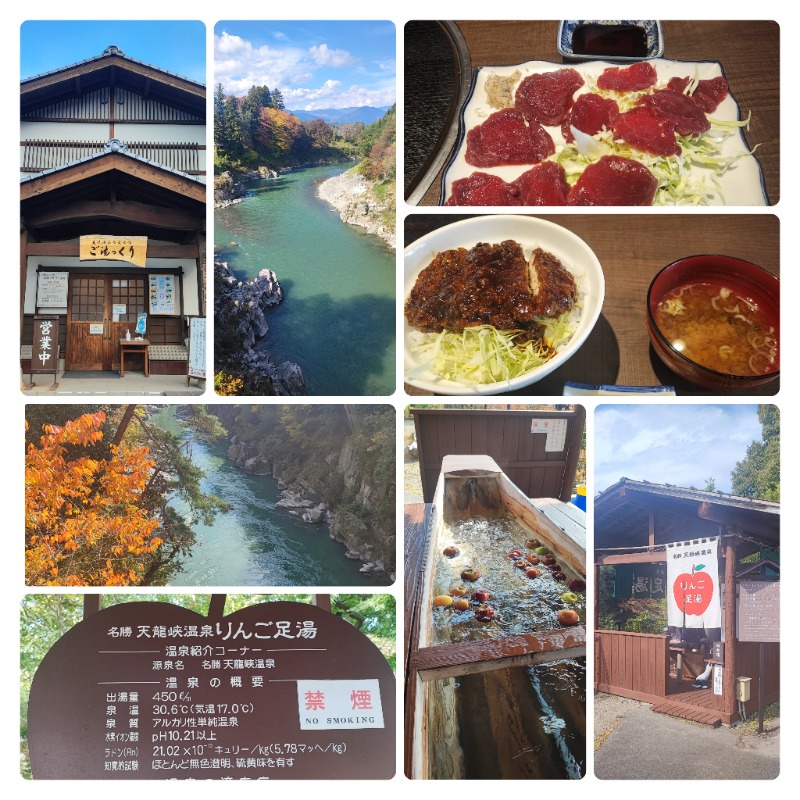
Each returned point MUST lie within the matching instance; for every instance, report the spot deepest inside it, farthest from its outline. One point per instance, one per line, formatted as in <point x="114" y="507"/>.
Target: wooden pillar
<point x="596" y="597"/>
<point x="92" y="603"/>
<point x="729" y="622"/>
<point x="23" y="280"/>
<point x="322" y="601"/>
<point x="651" y="528"/>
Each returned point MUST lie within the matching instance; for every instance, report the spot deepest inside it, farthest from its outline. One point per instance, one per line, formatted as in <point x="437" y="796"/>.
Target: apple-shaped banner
<point x="151" y="690"/>
<point x="693" y="590"/>
<point x="692" y="574"/>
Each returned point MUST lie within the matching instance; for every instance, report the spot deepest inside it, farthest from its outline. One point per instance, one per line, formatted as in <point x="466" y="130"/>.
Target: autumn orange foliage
<point x="85" y="524"/>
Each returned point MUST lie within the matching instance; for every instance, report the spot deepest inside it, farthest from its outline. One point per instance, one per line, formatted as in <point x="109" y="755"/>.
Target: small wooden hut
<point x="634" y="523"/>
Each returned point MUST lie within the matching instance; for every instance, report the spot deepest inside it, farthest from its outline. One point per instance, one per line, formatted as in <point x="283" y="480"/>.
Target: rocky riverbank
<point x="303" y="500"/>
<point x="353" y="196"/>
<point x="240" y="324"/>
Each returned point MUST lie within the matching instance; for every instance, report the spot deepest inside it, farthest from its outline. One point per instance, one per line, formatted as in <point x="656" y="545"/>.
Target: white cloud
<point x="239" y="65"/>
<point x="325" y="57"/>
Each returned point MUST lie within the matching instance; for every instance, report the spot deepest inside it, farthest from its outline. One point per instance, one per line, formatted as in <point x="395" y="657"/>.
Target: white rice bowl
<point x="530" y="232"/>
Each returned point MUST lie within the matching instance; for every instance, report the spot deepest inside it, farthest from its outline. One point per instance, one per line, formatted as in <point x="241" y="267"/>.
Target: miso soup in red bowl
<point x="714" y="320"/>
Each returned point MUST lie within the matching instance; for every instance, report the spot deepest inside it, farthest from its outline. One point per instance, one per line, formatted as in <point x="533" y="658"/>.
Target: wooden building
<point x="113" y="194"/>
<point x="635" y="521"/>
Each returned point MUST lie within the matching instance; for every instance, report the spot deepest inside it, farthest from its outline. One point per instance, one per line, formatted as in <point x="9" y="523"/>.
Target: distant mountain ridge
<point x="365" y="114"/>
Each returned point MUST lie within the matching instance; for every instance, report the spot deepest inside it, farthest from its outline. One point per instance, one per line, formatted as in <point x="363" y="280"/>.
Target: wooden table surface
<point x="631" y="249"/>
<point x="747" y="50"/>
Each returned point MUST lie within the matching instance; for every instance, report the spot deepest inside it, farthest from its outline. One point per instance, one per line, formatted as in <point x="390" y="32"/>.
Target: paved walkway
<point x="103" y="384"/>
<point x="637" y="744"/>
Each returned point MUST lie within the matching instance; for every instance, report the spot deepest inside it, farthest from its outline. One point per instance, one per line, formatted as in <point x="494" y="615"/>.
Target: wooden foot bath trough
<point x="496" y="670"/>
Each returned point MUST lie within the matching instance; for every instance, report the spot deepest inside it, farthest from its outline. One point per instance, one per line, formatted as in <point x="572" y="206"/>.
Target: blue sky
<point x="176" y="46"/>
<point x="332" y="64"/>
<point x="678" y="444"/>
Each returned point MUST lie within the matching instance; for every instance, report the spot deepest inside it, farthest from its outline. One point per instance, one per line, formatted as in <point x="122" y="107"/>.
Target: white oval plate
<point x="742" y="184"/>
<point x="529" y="232"/>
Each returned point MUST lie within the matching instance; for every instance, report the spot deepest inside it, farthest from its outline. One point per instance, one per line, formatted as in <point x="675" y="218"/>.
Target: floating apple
<point x="568" y="617"/>
<point x="554" y="567"/>
<point x="481" y="596"/>
<point x="531" y="544"/>
<point x="542" y="551"/>
<point x="570" y="597"/>
<point x="532" y="572"/>
<point x="458" y="591"/>
<point x="521" y="564"/>
<point x="693" y="592"/>
<point x="548" y="559"/>
<point x="515" y="554"/>
<point x="461" y="603"/>
<point x="484" y="613"/>
<point x="577" y="585"/>
<point x="532" y="559"/>
<point x="470" y="574"/>
<point x="451" y="551"/>
<point x="442" y="600"/>
<point x="559" y="576"/>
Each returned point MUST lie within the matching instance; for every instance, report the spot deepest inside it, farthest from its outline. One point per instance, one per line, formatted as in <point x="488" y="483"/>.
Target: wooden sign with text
<point x="274" y="691"/>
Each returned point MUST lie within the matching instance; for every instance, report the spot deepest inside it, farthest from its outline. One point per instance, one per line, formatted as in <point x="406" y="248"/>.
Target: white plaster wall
<point x="65" y="131"/>
<point x="169" y="134"/>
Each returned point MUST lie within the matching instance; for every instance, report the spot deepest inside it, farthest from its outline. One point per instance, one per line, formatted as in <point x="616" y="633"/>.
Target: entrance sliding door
<point x="101" y="309"/>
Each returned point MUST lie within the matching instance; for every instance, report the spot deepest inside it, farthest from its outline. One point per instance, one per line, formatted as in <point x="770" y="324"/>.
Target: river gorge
<point x="337" y="319"/>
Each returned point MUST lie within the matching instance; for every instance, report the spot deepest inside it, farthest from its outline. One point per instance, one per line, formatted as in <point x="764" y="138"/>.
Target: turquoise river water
<point x="337" y="319"/>
<point x="256" y="544"/>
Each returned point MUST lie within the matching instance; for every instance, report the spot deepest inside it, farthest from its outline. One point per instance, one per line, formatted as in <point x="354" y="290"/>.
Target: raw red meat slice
<point x="648" y="130"/>
<point x="641" y="75"/>
<point x="688" y="118"/>
<point x="614" y="181"/>
<point x="590" y="114"/>
<point x="708" y="94"/>
<point x="505" y="138"/>
<point x="547" y="96"/>
<point x="483" y="189"/>
<point x="543" y="185"/>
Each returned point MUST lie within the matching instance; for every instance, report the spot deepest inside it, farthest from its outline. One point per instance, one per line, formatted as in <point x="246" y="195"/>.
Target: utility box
<point x="743" y="689"/>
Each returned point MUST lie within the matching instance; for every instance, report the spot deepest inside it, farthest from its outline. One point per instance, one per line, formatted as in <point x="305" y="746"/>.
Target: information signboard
<point x="197" y="347"/>
<point x="151" y="690"/>
<point x="162" y="294"/>
<point x="758" y="611"/>
<point x="52" y="289"/>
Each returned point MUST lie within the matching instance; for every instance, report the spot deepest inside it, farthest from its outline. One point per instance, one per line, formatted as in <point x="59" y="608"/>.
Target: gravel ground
<point x="412" y="482"/>
<point x="609" y="711"/>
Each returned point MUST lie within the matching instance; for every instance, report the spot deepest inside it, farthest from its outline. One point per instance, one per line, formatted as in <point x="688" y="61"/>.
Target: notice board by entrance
<point x="151" y="690"/>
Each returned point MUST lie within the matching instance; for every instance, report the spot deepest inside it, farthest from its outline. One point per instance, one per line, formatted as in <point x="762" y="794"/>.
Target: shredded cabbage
<point x="678" y="182"/>
<point x="484" y="354"/>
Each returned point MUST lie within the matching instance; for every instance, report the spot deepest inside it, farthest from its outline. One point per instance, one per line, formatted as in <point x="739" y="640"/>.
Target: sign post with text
<point x="277" y="690"/>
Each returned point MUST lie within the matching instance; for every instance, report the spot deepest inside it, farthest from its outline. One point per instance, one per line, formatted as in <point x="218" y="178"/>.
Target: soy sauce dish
<point x="622" y="40"/>
<point x="714" y="320"/>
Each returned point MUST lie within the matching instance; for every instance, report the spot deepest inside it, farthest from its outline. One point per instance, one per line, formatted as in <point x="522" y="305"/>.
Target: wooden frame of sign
<point x="45" y="337"/>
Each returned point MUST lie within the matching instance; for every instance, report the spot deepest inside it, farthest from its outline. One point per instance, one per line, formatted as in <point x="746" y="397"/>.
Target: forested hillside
<point x="256" y="131"/>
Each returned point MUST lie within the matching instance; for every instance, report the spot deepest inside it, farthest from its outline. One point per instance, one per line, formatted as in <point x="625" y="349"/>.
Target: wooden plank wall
<point x="506" y="437"/>
<point x="633" y="665"/>
<point x="747" y="665"/>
